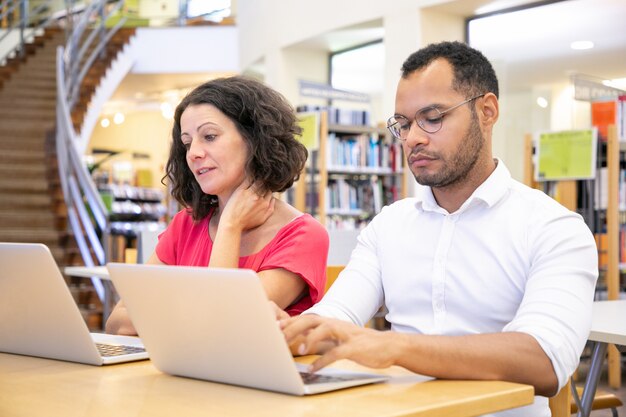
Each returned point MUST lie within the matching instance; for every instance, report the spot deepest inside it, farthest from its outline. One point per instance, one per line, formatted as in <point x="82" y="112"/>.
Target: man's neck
<point x="451" y="197"/>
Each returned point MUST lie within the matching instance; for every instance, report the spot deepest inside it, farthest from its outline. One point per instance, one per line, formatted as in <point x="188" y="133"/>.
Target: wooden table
<point x="40" y="387"/>
<point x="607" y="326"/>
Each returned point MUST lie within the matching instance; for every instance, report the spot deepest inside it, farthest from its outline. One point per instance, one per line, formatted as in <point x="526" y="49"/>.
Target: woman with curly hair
<point x="234" y="145"/>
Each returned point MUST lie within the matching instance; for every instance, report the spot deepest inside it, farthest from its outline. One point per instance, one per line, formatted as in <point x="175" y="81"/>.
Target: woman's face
<point x="216" y="151"/>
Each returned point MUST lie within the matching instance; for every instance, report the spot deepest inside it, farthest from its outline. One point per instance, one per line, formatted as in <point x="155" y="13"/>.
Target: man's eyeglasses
<point x="429" y="119"/>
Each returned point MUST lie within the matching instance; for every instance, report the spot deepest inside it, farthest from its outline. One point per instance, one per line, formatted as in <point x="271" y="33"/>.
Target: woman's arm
<point x="118" y="321"/>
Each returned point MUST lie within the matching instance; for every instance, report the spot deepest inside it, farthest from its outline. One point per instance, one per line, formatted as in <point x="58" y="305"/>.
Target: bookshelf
<point x="608" y="242"/>
<point x="355" y="171"/>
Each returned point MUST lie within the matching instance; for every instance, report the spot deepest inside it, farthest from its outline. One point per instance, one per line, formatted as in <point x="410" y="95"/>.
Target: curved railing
<point x="23" y="25"/>
<point x="87" y="214"/>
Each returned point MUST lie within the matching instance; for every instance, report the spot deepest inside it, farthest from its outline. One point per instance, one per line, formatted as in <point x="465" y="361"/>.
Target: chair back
<point x="560" y="403"/>
<point x="332" y="272"/>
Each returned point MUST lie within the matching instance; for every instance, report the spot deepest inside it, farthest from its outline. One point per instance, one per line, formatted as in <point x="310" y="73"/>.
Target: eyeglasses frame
<point x="441" y="114"/>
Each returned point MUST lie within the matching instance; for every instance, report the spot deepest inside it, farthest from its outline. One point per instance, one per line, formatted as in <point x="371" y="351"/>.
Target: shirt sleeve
<point x="557" y="304"/>
<point x="166" y="248"/>
<point x="357" y="294"/>
<point x="301" y="248"/>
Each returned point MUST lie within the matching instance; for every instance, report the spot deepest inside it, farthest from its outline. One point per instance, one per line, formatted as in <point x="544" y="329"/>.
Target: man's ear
<point x="488" y="110"/>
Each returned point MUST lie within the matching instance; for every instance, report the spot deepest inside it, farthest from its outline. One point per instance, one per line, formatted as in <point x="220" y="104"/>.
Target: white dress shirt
<point x="510" y="259"/>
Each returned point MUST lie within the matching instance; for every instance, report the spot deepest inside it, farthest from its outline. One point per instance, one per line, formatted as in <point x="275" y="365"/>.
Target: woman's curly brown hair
<point x="268" y="125"/>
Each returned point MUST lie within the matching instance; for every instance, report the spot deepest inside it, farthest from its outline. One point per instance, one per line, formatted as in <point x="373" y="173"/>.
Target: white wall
<point x="186" y="49"/>
<point x="272" y="24"/>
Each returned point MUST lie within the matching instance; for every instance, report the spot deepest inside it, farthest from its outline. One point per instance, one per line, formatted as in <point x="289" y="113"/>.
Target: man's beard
<point x="461" y="163"/>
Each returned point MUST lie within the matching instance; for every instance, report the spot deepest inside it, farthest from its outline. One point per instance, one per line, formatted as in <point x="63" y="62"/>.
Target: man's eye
<point x="431" y="116"/>
<point x="404" y="125"/>
<point x="433" y="119"/>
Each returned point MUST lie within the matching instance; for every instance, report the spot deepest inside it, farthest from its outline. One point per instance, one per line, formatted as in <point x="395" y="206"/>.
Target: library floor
<point x="621" y="392"/>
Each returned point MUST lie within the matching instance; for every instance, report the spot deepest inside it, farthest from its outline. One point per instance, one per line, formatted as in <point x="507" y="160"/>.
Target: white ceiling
<point x="528" y="47"/>
<point x="533" y="45"/>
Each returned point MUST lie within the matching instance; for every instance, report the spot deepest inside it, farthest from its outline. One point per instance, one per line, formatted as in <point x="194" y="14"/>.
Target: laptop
<point x="39" y="317"/>
<point x="216" y="324"/>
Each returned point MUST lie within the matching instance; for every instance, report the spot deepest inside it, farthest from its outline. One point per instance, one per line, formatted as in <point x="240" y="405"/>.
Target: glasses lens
<point x="429" y="119"/>
<point x="394" y="124"/>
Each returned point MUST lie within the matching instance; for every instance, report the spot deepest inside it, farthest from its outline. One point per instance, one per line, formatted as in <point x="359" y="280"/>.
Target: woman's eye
<point x="210" y="137"/>
<point x="187" y="145"/>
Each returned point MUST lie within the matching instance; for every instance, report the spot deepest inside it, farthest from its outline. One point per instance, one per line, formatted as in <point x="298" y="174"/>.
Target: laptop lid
<point x="214" y="324"/>
<point x="39" y="317"/>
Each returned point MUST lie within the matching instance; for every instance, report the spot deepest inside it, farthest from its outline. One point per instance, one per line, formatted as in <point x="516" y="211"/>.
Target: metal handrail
<point x="104" y="40"/>
<point x="26" y="31"/>
<point x="87" y="213"/>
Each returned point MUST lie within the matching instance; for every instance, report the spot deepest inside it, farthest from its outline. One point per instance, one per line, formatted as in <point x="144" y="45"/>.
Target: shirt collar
<point x="489" y="192"/>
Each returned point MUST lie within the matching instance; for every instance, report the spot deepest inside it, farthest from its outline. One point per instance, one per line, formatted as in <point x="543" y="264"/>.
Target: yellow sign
<point x="566" y="155"/>
<point x="309" y="122"/>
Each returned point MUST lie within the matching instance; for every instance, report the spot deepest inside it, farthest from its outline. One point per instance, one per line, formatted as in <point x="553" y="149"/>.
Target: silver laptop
<point x="39" y="317"/>
<point x="216" y="324"/>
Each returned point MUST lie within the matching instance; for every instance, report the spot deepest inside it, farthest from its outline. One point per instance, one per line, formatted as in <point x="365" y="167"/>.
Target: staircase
<point x="29" y="205"/>
<point x="32" y="208"/>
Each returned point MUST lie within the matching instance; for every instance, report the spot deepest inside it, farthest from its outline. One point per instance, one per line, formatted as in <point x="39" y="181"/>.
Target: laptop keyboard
<point x="117" y="350"/>
<point x="311" y="378"/>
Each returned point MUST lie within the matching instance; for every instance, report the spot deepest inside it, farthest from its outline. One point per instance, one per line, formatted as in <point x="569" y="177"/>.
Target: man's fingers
<point x="333" y="355"/>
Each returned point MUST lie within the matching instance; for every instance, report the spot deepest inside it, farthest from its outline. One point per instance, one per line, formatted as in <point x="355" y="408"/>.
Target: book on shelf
<point x="609" y="112"/>
<point x="340" y="116"/>
<point x="601" y="189"/>
<point x="367" y="152"/>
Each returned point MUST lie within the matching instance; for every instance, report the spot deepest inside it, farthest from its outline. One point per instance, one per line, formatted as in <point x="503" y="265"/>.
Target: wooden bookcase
<point x="567" y="196"/>
<point x="356" y="170"/>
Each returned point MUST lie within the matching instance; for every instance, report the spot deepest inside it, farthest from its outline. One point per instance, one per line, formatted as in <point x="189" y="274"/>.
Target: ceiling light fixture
<point x="105" y="122"/>
<point x="118" y="118"/>
<point x="542" y="102"/>
<point x="581" y="45"/>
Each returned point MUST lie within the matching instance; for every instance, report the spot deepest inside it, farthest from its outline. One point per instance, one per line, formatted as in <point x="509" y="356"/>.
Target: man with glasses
<point x="482" y="277"/>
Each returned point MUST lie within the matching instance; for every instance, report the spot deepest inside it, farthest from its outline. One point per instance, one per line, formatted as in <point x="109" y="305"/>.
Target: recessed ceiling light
<point x="105" y="122"/>
<point x="118" y="118"/>
<point x="581" y="45"/>
<point x="542" y="102"/>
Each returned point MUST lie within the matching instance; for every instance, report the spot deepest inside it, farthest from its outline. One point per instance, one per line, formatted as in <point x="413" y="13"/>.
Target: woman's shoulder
<point x="184" y="220"/>
<point x="291" y="221"/>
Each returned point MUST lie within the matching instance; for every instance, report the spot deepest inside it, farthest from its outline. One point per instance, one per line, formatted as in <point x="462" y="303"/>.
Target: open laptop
<point x="216" y="324"/>
<point x="39" y="317"/>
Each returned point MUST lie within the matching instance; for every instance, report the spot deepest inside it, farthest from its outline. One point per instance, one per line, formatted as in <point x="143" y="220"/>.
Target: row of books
<point x="602" y="190"/>
<point x="340" y="116"/>
<point x="355" y="152"/>
<point x="609" y="112"/>
<point x="349" y="196"/>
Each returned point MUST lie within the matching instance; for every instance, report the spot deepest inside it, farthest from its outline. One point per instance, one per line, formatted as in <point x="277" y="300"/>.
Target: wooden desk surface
<point x="40" y="387"/>
<point x="608" y="324"/>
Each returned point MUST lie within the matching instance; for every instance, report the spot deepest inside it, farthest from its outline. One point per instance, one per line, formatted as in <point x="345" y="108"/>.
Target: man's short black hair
<point x="473" y="73"/>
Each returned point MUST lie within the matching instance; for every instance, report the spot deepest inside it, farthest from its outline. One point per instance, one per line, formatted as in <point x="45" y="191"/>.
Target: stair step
<point x="24" y="91"/>
<point x="33" y="219"/>
<point x="26" y="186"/>
<point x="14" y="129"/>
<point x="17" y="83"/>
<point x="25" y="112"/>
<point x="21" y="146"/>
<point x="48" y="237"/>
<point x="25" y="171"/>
<point x="26" y="103"/>
<point x="35" y="73"/>
<point x="25" y="201"/>
<point x="22" y="157"/>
